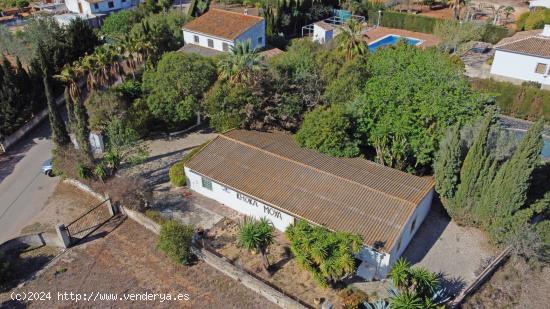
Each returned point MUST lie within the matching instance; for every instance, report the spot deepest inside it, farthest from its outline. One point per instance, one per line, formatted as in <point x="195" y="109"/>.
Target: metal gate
<point x="89" y="221"/>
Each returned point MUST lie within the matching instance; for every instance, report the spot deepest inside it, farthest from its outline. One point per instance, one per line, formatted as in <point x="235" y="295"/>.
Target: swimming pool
<point x="545" y="153"/>
<point x="392" y="39"/>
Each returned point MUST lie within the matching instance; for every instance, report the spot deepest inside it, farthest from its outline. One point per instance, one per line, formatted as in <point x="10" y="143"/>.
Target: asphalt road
<point x="23" y="188"/>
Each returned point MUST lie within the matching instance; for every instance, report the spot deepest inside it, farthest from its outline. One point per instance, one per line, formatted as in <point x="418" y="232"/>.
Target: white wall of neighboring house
<point x="255" y="34"/>
<point x="189" y="38"/>
<point x="322" y="35"/>
<point x="103" y="7"/>
<point x="519" y="66"/>
<point x="539" y="3"/>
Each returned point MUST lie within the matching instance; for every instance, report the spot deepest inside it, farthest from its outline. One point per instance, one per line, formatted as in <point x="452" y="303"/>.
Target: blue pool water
<point x="545" y="153"/>
<point x="391" y="40"/>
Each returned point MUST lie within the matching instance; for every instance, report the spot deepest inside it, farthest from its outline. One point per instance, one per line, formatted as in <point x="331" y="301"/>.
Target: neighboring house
<point x="539" y="3"/>
<point x="524" y="57"/>
<point x="322" y="32"/>
<point x="262" y="174"/>
<point x="98" y="7"/>
<point x="219" y="30"/>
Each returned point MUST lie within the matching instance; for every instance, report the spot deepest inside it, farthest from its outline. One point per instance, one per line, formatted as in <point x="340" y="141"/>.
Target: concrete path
<point x="23" y="188"/>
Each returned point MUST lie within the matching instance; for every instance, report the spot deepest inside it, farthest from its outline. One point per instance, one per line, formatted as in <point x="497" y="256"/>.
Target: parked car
<point x="47" y="168"/>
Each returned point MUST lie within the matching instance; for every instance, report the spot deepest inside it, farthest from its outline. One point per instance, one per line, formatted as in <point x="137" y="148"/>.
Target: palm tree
<point x="351" y="40"/>
<point x="257" y="236"/>
<point x="241" y="64"/>
<point x="69" y="76"/>
<point x="456" y="6"/>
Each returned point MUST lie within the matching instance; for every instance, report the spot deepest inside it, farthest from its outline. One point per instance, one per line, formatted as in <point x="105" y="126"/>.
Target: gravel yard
<point x="126" y="261"/>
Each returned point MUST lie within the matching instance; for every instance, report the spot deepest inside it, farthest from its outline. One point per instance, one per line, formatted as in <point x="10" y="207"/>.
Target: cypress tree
<point x="508" y="194"/>
<point x="473" y="173"/>
<point x="71" y="121"/>
<point x="447" y="164"/>
<point x="81" y="129"/>
<point x="60" y="136"/>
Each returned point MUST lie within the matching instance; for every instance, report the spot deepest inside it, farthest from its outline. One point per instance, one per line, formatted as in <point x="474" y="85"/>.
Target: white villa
<point x="524" y="57"/>
<point x="99" y="7"/>
<point x="539" y="4"/>
<point x="262" y="174"/>
<point x="218" y="30"/>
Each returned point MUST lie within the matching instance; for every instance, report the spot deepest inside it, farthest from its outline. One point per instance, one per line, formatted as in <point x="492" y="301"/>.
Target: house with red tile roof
<point x="524" y="57"/>
<point x="219" y="30"/>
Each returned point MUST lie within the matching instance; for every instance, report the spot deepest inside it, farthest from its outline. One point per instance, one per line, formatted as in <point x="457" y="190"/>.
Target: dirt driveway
<point x="126" y="261"/>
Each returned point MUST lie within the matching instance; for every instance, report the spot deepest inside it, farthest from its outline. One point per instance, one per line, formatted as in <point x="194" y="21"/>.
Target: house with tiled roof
<point x="268" y="175"/>
<point x="524" y="57"/>
<point x="99" y="7"/>
<point x="218" y="30"/>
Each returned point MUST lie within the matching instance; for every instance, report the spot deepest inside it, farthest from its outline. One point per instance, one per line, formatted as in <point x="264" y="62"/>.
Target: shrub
<point x="533" y="20"/>
<point x="177" y="174"/>
<point x="155" y="216"/>
<point x="83" y="171"/>
<point x="352" y="298"/>
<point x="519" y="101"/>
<point x="543" y="230"/>
<point x="4" y="270"/>
<point x="175" y="241"/>
<point x="493" y="34"/>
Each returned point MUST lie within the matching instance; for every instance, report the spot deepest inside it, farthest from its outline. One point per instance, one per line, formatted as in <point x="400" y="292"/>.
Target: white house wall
<point x="189" y="38"/>
<point x="239" y="201"/>
<point x="519" y="66"/>
<point x="252" y="34"/>
<point x="99" y="8"/>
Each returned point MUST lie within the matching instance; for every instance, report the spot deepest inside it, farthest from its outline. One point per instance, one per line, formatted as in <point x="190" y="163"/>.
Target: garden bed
<point x="286" y="275"/>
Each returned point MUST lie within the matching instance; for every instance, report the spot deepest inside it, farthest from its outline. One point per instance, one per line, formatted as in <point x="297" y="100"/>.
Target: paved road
<point x="23" y="188"/>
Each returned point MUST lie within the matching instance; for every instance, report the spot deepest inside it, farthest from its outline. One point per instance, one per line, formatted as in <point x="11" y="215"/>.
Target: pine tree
<point x="447" y="164"/>
<point x="474" y="172"/>
<point x="60" y="136"/>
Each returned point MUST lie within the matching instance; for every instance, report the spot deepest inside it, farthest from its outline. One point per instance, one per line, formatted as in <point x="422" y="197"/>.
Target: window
<point x="196" y="38"/>
<point x="260" y="40"/>
<point x="541" y="68"/>
<point x="111" y="4"/>
<point x="225" y="47"/>
<point x="207" y="183"/>
<point x="210" y="43"/>
<point x="413" y="225"/>
<point x="96" y="6"/>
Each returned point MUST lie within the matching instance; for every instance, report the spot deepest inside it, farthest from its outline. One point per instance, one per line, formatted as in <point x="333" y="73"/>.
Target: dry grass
<point x="285" y="273"/>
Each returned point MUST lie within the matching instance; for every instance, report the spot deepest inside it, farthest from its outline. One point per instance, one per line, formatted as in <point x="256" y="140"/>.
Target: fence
<point x="487" y="272"/>
<point x="86" y="223"/>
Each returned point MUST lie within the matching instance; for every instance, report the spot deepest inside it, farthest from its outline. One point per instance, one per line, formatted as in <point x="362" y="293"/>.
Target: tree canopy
<point x="176" y="86"/>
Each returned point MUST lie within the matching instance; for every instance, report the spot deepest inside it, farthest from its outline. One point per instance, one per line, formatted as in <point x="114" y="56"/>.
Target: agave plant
<point x="379" y="304"/>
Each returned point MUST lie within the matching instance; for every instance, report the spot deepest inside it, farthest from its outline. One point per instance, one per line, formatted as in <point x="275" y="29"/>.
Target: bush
<point x="4" y="270"/>
<point x="352" y="298"/>
<point x="524" y="101"/>
<point x="177" y="174"/>
<point x="175" y="241"/>
<point x="491" y="33"/>
<point x="533" y="20"/>
<point x="155" y="216"/>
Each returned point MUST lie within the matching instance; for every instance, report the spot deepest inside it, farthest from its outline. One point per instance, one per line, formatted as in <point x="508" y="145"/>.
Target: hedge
<point x="177" y="171"/>
<point x="523" y="101"/>
<point x="419" y="23"/>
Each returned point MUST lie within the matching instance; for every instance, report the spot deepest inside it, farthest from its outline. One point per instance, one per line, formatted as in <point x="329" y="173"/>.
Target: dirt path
<point x="127" y="261"/>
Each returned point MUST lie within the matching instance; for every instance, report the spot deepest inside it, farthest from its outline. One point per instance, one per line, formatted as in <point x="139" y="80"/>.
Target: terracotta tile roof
<point x="271" y="52"/>
<point x="324" y="25"/>
<point x="222" y="24"/>
<point x="526" y="42"/>
<point x="343" y="194"/>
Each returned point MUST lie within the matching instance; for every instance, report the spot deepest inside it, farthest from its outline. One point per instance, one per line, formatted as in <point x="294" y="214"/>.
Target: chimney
<point x="546" y="31"/>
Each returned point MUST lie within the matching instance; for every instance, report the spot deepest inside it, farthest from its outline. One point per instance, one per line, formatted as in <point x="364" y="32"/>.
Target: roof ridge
<point x="515" y="41"/>
<point x="318" y="170"/>
<point x="236" y="13"/>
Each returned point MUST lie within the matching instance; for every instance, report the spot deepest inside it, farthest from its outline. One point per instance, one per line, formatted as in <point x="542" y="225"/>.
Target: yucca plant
<point x="399" y="274"/>
<point x="256" y="235"/>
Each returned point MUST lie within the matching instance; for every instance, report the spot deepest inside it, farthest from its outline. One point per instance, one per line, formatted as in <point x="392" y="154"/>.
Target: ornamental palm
<point x="351" y="40"/>
<point x="400" y="274"/>
<point x="241" y="64"/>
<point x="256" y="235"/>
<point x="456" y="6"/>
